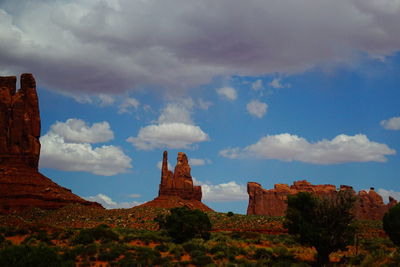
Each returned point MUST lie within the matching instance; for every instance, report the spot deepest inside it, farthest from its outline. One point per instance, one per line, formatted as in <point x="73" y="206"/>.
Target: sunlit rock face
<point x="21" y="185"/>
<point x="176" y="188"/>
<point x="272" y="202"/>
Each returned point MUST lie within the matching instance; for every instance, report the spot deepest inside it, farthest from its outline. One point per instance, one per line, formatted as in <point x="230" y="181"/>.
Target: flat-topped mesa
<point x="178" y="183"/>
<point x="19" y="122"/>
<point x="21" y="185"/>
<point x="272" y="202"/>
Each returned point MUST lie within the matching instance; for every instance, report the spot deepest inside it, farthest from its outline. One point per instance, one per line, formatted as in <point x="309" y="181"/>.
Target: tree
<point x="322" y="222"/>
<point x="391" y="224"/>
<point x="183" y="224"/>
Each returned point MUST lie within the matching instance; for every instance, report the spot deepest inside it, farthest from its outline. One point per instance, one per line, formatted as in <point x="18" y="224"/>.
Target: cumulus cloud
<point x="198" y="162"/>
<point x="108" y="203"/>
<point x="257" y="85"/>
<point x="202" y="104"/>
<point x="227" y="93"/>
<point x="257" y="108"/>
<point x="74" y="154"/>
<point x="77" y="131"/>
<point x="224" y="192"/>
<point x="287" y="147"/>
<point x="391" y="124"/>
<point x="106" y="100"/>
<point x="276" y="83"/>
<point x="170" y="135"/>
<point x="91" y="46"/>
<point x="173" y="129"/>
<point x="127" y="104"/>
<point x="385" y="194"/>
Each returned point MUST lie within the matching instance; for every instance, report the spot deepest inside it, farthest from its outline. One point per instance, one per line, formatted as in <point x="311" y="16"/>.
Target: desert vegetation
<point x="133" y="237"/>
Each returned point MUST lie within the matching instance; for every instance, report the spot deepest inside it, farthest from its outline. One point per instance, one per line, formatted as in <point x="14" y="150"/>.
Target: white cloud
<point x="174" y="129"/>
<point x="134" y="195"/>
<point x="128" y="103"/>
<point x="169" y="135"/>
<point x="257" y="85"/>
<point x="388" y="193"/>
<point x="276" y="83"/>
<point x="108" y="203"/>
<point x="77" y="131"/>
<point x="287" y="147"/>
<point x="204" y="104"/>
<point x="159" y="165"/>
<point x="228" y="93"/>
<point x="198" y="162"/>
<point x="224" y="192"/>
<point x="257" y="108"/>
<point x="391" y="124"/>
<point x="106" y="100"/>
<point x="176" y="112"/>
<point x="91" y="46"/>
<point x="62" y="149"/>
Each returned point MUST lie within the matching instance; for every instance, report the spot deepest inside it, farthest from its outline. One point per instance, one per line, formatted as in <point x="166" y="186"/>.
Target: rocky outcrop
<point x="272" y="202"/>
<point x="21" y="185"/>
<point x="176" y="188"/>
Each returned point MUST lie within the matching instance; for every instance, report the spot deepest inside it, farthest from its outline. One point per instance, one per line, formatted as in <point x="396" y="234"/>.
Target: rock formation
<point x="21" y="185"/>
<point x="176" y="188"/>
<point x="272" y="202"/>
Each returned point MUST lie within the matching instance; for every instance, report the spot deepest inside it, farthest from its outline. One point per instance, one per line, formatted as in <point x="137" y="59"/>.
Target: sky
<point x="263" y="91"/>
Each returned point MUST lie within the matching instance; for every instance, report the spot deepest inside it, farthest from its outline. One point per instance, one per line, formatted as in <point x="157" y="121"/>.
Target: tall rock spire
<point x="176" y="188"/>
<point x="21" y="185"/>
<point x="19" y="121"/>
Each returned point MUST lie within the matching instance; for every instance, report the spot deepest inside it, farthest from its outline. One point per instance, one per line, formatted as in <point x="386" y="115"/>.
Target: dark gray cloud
<point x="110" y="46"/>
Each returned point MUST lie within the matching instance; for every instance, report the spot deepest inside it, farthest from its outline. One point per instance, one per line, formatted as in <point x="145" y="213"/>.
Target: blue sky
<point x="257" y="91"/>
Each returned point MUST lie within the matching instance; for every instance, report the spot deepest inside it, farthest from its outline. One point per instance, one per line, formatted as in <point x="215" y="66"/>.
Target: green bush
<point x="391" y="224"/>
<point x="21" y="256"/>
<point x="325" y="223"/>
<point x="184" y="224"/>
<point x="111" y="251"/>
<point x="100" y="233"/>
<point x="230" y="214"/>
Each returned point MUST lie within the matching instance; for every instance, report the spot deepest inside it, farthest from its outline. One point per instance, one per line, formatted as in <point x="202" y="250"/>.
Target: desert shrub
<point x="201" y="260"/>
<point x="111" y="251"/>
<point x="176" y="250"/>
<point x="13" y="231"/>
<point x="391" y="224"/>
<point x="146" y="256"/>
<point x="101" y="232"/>
<point x="194" y="244"/>
<point x="161" y="247"/>
<point x="32" y="256"/>
<point x="325" y="223"/>
<point x="230" y="214"/>
<point x="147" y="236"/>
<point x="184" y="224"/>
<point x="263" y="254"/>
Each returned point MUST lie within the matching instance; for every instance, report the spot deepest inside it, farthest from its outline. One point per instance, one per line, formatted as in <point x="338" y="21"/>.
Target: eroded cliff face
<point x="21" y="185"/>
<point x="19" y="121"/>
<point x="176" y="188"/>
<point x="180" y="182"/>
<point x="272" y="202"/>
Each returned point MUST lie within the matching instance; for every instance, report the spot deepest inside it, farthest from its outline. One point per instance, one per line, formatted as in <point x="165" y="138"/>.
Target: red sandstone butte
<point x="176" y="188"/>
<point x="21" y="184"/>
<point x="272" y="202"/>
